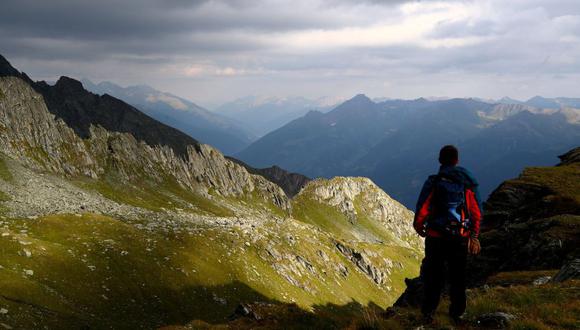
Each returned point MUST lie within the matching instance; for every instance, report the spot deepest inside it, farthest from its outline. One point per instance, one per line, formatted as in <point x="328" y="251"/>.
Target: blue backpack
<point x="449" y="210"/>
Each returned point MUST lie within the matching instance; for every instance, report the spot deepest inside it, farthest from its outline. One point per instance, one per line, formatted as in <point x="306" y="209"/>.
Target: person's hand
<point x="422" y="232"/>
<point x="473" y="246"/>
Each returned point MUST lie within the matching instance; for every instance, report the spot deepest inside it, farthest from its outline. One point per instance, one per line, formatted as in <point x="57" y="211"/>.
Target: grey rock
<point x="245" y="310"/>
<point x="497" y="320"/>
<point x="569" y="271"/>
<point x="363" y="263"/>
<point x="542" y="280"/>
<point x="32" y="134"/>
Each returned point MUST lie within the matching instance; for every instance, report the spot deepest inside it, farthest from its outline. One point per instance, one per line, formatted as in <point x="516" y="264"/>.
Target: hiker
<point x="448" y="214"/>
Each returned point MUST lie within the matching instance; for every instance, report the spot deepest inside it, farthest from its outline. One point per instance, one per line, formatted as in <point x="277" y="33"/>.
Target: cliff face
<point x="42" y="140"/>
<point x="362" y="203"/>
<point x="532" y="222"/>
<point x="291" y="183"/>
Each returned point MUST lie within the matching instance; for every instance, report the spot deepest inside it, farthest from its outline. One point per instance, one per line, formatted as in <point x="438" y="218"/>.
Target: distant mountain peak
<point x="361" y="98"/>
<point x="313" y="113"/>
<point x="507" y="99"/>
<point x="537" y="97"/>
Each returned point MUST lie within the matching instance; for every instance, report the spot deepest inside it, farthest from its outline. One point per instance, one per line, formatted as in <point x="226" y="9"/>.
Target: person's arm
<point x="474" y="209"/>
<point x="423" y="207"/>
<point x="474" y="187"/>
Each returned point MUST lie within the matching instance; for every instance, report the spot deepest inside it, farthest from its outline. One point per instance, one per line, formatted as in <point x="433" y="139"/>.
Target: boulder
<point x="569" y="271"/>
<point x="497" y="320"/>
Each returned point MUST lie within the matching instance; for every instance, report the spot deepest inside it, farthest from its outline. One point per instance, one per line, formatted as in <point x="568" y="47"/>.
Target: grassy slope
<point x="155" y="196"/>
<point x="549" y="306"/>
<point x="562" y="180"/>
<point x="86" y="269"/>
<point x="92" y="269"/>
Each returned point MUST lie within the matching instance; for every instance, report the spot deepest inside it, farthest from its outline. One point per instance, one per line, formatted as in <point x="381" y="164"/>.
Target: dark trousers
<point x="441" y="251"/>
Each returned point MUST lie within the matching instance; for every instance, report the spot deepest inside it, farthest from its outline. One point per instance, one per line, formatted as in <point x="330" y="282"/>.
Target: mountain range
<point x="377" y="140"/>
<point x="544" y="102"/>
<point x="206" y="126"/>
<point x="262" y="115"/>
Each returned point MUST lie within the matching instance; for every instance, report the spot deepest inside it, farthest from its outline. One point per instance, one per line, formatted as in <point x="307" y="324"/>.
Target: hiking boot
<point x="458" y="320"/>
<point x="427" y="319"/>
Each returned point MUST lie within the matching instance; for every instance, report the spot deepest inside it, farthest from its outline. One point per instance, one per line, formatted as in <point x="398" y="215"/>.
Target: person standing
<point x="448" y="214"/>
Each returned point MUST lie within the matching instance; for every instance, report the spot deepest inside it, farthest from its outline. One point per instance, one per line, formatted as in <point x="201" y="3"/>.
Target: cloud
<point x="211" y="50"/>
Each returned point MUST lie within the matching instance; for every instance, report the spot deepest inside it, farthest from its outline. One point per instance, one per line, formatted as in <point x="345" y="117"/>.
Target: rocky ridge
<point x="356" y="197"/>
<point x="33" y="135"/>
<point x="291" y="183"/>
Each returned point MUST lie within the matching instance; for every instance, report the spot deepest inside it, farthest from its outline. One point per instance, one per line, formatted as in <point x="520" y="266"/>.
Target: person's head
<point x="449" y="156"/>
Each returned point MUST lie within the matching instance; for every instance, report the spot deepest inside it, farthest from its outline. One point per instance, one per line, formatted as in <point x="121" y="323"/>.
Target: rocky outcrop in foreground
<point x="532" y="222"/>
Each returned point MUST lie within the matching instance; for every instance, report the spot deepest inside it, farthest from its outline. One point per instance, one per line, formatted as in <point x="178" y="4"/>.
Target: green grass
<point x="362" y="234"/>
<point x="256" y="201"/>
<point x="98" y="271"/>
<point x="323" y="216"/>
<point x="518" y="277"/>
<point x="154" y="196"/>
<point x="551" y="306"/>
<point x="562" y="180"/>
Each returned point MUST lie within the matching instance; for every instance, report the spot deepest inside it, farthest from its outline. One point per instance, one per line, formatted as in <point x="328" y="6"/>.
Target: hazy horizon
<point x="214" y="52"/>
<point x="327" y="99"/>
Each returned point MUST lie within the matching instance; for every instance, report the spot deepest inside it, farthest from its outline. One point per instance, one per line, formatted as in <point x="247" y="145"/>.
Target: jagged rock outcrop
<point x="362" y="261"/>
<point x="535" y="195"/>
<point x="571" y="270"/>
<point x="571" y="157"/>
<point x="42" y="140"/>
<point x="359" y="198"/>
<point x="532" y="222"/>
<point x="291" y="183"/>
<point x="81" y="110"/>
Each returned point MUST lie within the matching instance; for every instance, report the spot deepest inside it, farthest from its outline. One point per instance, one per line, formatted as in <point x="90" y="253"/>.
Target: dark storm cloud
<point x="281" y="44"/>
<point x="112" y="19"/>
<point x="378" y="2"/>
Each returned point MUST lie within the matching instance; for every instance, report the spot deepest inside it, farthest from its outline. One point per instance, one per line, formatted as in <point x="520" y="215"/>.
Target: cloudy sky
<point x="215" y="51"/>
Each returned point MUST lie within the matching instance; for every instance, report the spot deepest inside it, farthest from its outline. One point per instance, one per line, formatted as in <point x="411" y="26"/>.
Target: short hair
<point x="449" y="155"/>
